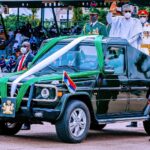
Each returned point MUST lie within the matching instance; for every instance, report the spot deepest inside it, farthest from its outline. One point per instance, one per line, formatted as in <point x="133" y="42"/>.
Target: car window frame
<point x="124" y="47"/>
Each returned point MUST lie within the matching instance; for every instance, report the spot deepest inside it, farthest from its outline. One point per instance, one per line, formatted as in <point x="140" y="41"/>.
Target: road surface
<point x="113" y="137"/>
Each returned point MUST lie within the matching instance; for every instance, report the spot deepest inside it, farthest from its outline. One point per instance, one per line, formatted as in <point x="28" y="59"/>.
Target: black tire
<point x="98" y="127"/>
<point x="62" y="126"/>
<point x="146" y="125"/>
<point x="8" y="128"/>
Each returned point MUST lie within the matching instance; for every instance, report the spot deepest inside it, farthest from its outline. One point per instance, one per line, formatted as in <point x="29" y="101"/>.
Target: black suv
<point x="113" y="85"/>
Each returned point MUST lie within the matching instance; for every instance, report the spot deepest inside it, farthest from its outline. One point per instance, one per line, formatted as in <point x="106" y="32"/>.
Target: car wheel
<point x="146" y="125"/>
<point x="97" y="126"/>
<point x="9" y="128"/>
<point x="75" y="123"/>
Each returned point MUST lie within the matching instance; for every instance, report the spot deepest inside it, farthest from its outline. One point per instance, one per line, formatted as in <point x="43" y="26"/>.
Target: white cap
<point x="127" y="7"/>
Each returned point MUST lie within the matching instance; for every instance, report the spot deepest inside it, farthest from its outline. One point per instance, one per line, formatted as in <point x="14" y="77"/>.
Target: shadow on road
<point x="114" y="134"/>
<point x="106" y="134"/>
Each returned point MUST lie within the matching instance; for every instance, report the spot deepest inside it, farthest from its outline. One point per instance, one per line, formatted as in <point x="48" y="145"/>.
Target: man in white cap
<point x="125" y="26"/>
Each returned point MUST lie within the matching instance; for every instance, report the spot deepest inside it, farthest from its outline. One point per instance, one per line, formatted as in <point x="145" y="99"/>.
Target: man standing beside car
<point x="22" y="64"/>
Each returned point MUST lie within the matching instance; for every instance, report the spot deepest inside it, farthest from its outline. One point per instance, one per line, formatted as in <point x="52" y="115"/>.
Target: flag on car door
<point x="69" y="82"/>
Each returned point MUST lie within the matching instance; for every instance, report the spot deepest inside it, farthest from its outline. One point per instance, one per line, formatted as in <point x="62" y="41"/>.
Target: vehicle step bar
<point x="106" y="121"/>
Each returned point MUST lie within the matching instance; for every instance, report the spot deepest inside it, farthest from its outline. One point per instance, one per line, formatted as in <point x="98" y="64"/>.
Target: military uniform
<point x="97" y="28"/>
<point x="94" y="27"/>
<point x="145" y="44"/>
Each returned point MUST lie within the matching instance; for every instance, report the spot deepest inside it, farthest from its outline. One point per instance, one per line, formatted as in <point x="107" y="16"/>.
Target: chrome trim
<point x="40" y="100"/>
<point x="138" y="99"/>
<point x="41" y="85"/>
<point x="139" y="88"/>
<point x="102" y="121"/>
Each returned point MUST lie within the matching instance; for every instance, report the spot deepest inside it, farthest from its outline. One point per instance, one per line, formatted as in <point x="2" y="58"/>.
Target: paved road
<point x="43" y="137"/>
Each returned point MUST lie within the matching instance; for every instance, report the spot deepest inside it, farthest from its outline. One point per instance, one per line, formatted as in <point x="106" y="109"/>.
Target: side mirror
<point x="109" y="70"/>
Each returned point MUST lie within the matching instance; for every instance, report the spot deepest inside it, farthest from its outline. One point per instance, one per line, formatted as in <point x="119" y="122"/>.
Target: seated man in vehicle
<point x="114" y="60"/>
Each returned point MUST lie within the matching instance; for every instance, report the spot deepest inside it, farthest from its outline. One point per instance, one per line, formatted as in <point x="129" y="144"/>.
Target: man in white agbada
<point x="125" y="26"/>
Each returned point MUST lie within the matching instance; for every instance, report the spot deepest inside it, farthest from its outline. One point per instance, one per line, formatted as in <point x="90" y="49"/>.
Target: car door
<point x="113" y="95"/>
<point x="138" y="80"/>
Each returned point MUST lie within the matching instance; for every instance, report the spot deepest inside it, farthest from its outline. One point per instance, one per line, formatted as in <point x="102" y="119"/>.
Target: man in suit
<point x="26" y="57"/>
<point x="94" y="27"/>
<point x="22" y="64"/>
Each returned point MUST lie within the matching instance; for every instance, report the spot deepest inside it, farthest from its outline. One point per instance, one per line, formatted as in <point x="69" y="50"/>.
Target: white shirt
<point x="93" y="24"/>
<point x="129" y="29"/>
<point x="18" y="37"/>
<point x="145" y="44"/>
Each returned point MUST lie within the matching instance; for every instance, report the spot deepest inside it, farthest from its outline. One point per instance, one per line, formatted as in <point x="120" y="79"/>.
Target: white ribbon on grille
<point x="47" y="62"/>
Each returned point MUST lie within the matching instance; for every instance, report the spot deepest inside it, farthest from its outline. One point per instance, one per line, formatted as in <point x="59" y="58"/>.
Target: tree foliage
<point x="11" y="21"/>
<point x="77" y="14"/>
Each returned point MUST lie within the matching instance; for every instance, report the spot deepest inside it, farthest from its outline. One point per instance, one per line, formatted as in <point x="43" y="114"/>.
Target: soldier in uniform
<point x="145" y="44"/>
<point x="94" y="27"/>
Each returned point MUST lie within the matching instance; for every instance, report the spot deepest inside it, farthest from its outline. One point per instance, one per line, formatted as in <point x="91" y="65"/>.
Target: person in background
<point x="17" y="53"/>
<point x="34" y="48"/>
<point x="143" y="16"/>
<point x="33" y="39"/>
<point x="2" y="63"/>
<point x="145" y="44"/>
<point x="10" y="34"/>
<point x="15" y="46"/>
<point x="22" y="64"/>
<point x="11" y="64"/>
<point x="18" y="37"/>
<point x="26" y="57"/>
<point x="125" y="26"/>
<point x="94" y="27"/>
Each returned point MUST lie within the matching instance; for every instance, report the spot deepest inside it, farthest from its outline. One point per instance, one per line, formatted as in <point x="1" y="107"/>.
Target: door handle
<point x="124" y="88"/>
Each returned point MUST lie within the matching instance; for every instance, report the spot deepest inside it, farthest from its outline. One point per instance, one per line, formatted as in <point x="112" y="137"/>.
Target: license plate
<point x="8" y="107"/>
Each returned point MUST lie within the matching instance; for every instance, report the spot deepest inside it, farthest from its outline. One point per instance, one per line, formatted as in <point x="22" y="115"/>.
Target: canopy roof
<point x="65" y="3"/>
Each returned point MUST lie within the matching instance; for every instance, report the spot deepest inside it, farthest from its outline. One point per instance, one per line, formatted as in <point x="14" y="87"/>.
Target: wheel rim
<point x="77" y="122"/>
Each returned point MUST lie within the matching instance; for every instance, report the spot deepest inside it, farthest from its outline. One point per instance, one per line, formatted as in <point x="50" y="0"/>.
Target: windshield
<point x="79" y="58"/>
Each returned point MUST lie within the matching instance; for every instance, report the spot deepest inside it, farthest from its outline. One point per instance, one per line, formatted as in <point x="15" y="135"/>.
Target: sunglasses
<point x="24" y="46"/>
<point x="142" y="16"/>
<point x="126" y="11"/>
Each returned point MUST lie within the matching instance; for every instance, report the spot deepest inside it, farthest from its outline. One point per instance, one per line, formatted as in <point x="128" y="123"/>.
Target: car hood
<point x="57" y="76"/>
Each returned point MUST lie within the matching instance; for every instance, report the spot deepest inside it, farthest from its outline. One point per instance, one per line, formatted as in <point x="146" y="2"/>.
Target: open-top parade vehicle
<point x="76" y="83"/>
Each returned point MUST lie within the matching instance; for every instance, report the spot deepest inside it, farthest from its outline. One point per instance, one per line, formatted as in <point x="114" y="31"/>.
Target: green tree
<point x="34" y="12"/>
<point x="102" y="15"/>
<point x="77" y="14"/>
<point x="22" y="19"/>
<point x="33" y="16"/>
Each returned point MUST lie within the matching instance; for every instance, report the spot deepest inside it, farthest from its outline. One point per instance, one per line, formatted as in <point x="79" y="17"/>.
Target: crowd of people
<point x="34" y="36"/>
<point x="120" y="23"/>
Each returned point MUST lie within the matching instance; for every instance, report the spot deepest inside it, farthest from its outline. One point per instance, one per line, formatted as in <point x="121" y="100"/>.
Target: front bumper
<point x="39" y="114"/>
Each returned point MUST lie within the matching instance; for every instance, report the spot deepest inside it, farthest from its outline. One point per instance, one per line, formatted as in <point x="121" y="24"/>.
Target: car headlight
<point x="45" y="93"/>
